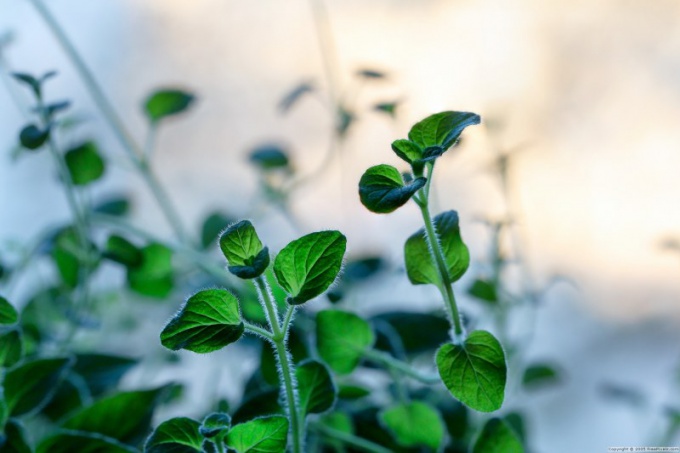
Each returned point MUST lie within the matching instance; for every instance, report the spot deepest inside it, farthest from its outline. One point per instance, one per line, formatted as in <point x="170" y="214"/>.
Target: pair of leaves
<point x="342" y="338"/>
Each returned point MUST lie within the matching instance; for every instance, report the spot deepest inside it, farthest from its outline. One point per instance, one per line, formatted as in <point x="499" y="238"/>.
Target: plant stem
<point x="400" y="366"/>
<point x="350" y="439"/>
<point x="279" y="340"/>
<point x="135" y="153"/>
<point x="258" y="330"/>
<point x="289" y="315"/>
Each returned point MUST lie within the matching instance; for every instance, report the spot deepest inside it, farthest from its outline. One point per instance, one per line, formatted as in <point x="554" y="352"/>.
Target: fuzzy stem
<point x="287" y="367"/>
<point x="400" y="366"/>
<point x="350" y="439"/>
<point x="252" y="328"/>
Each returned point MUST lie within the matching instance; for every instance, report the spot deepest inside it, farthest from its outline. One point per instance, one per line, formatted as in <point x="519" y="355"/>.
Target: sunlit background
<point x="583" y="97"/>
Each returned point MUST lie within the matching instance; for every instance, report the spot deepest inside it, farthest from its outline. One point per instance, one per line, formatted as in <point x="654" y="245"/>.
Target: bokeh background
<point x="583" y="97"/>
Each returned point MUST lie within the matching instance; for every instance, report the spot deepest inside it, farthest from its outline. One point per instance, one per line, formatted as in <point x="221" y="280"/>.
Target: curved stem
<point x="400" y="366"/>
<point x="252" y="328"/>
<point x="350" y="439"/>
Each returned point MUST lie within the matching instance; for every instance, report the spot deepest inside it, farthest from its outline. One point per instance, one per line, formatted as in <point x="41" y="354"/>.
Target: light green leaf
<point x="11" y="348"/>
<point x="474" y="372"/>
<point x="414" y="424"/>
<point x="67" y="441"/>
<point x="84" y="163"/>
<point x="8" y="314"/>
<point x="208" y="321"/>
<point x="261" y="435"/>
<point x="177" y="435"/>
<point x="167" y="102"/>
<point x="497" y="437"/>
<point x="407" y="150"/>
<point x="484" y="290"/>
<point x="14" y="438"/>
<point x="243" y="250"/>
<point x="214" y="424"/>
<point x="316" y="389"/>
<point x="382" y="189"/>
<point x="153" y="276"/>
<point x="540" y="374"/>
<point x="342" y="338"/>
<point x="30" y="385"/>
<point x="419" y="262"/>
<point x="308" y="266"/>
<point x="441" y="129"/>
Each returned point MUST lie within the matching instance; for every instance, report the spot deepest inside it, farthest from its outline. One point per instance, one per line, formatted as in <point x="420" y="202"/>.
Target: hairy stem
<point x="252" y="328"/>
<point x="400" y="366"/>
<point x="350" y="439"/>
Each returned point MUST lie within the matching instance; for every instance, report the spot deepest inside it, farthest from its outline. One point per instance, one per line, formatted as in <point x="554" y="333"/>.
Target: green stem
<point x="400" y="366"/>
<point x="258" y="330"/>
<point x="289" y="315"/>
<point x="350" y="439"/>
<point x="135" y="153"/>
<point x="285" y="362"/>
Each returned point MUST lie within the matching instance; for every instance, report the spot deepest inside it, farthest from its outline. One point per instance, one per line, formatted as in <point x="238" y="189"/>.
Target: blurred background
<point x="580" y="103"/>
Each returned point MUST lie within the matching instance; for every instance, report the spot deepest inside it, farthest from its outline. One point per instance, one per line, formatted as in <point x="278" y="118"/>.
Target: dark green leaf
<point x="243" y="250"/>
<point x="441" y="129"/>
<point x="8" y="314"/>
<point x="14" y="438"/>
<point x="71" y="394"/>
<point x="497" y="437"/>
<point x="370" y="74"/>
<point x="118" y="206"/>
<point x="419" y="262"/>
<point x="352" y="392"/>
<point x="389" y="108"/>
<point x="414" y="424"/>
<point x="214" y="424"/>
<point x="360" y="269"/>
<point x="177" y="435"/>
<point x="342" y="338"/>
<point x="67" y="441"/>
<point x="382" y="189"/>
<point x="29" y="386"/>
<point x="122" y="251"/>
<point x="168" y="102"/>
<point x="316" y="389"/>
<point x="474" y="372"/>
<point x="30" y="81"/>
<point x="209" y="321"/>
<point x="269" y="157"/>
<point x="306" y="267"/>
<point x="515" y="420"/>
<point x="294" y="95"/>
<point x="11" y="348"/>
<point x="84" y="163"/>
<point x="102" y="372"/>
<point x="125" y="416"/>
<point x="212" y="226"/>
<point x="53" y="108"/>
<point x="484" y="290"/>
<point x="153" y="277"/>
<point x="540" y="374"/>
<point x="32" y="137"/>
<point x="417" y="332"/>
<point x="262" y="435"/>
<point x="407" y="150"/>
<point x="259" y="404"/>
<point x="344" y="121"/>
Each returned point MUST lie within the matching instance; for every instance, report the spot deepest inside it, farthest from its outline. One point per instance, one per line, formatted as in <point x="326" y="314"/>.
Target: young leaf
<point x="382" y="189"/>
<point x="316" y="388"/>
<point x="8" y="314"/>
<point x="11" y="348"/>
<point x="475" y="371"/>
<point x="212" y="226"/>
<point x="84" y="163"/>
<point x="269" y="157"/>
<point x="342" y="338"/>
<point x="66" y="441"/>
<point x="177" y="435"/>
<point x="441" y="129"/>
<point x="352" y="392"/>
<point x="32" y="137"/>
<point x="153" y="277"/>
<point x="243" y="250"/>
<point x="30" y="81"/>
<point x="29" y="386"/>
<point x="261" y="435"/>
<point x="370" y="74"/>
<point x="102" y="372"/>
<point x="294" y="96"/>
<point x="14" y="438"/>
<point x="540" y="374"/>
<point x="168" y="102"/>
<point x="419" y="264"/>
<point x="497" y="437"/>
<point x="306" y="267"/>
<point x="484" y="290"/>
<point x="414" y="424"/>
<point x="214" y="424"/>
<point x="390" y="108"/>
<point x="118" y="206"/>
<point x="122" y="251"/>
<point x="208" y="321"/>
<point x="407" y="150"/>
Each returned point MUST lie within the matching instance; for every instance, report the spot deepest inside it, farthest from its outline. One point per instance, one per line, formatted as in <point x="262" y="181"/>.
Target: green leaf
<point x="122" y="251"/>
<point x="11" y="348"/>
<point x="540" y="374"/>
<point x="212" y="226"/>
<point x="390" y="108"/>
<point x="382" y="189"/>
<point x="32" y="137"/>
<point x="419" y="262"/>
<point x="269" y="157"/>
<point x="407" y="150"/>
<point x="441" y="129"/>
<point x="67" y="441"/>
<point x="308" y="266"/>
<point x="30" y="81"/>
<point x="352" y="391"/>
<point x="102" y="372"/>
<point x="474" y="372"/>
<point x="177" y="435"/>
<point x="214" y="424"/>
<point x="316" y="389"/>
<point x="168" y="102"/>
<point x="84" y="163"/>
<point x="243" y="250"/>
<point x="294" y="95"/>
<point x="208" y="321"/>
<point x="262" y="435"/>
<point x="14" y="438"/>
<point x="497" y="437"/>
<point x="69" y="256"/>
<point x="337" y="421"/>
<point x="414" y="424"/>
<point x="8" y="314"/>
<point x="342" y="338"/>
<point x="418" y="332"/>
<point x="124" y="416"/>
<point x="484" y="290"/>
<point x="260" y="404"/>
<point x="29" y="386"/>
<point x="118" y="206"/>
<point x="153" y="277"/>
